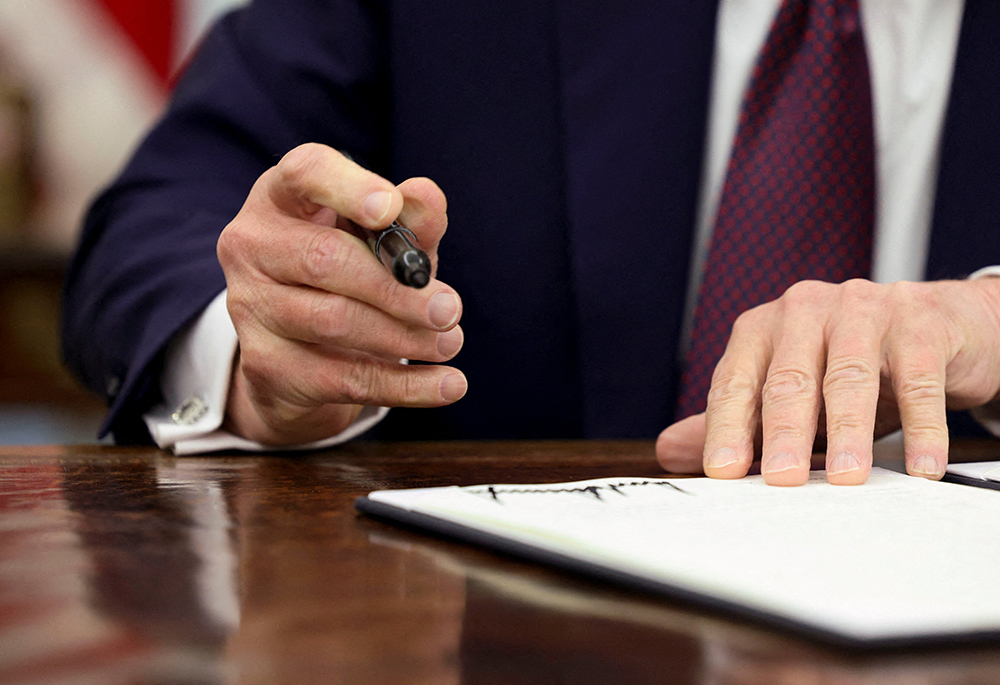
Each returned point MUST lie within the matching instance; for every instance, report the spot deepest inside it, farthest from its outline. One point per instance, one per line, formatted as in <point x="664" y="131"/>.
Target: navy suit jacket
<point x="568" y="136"/>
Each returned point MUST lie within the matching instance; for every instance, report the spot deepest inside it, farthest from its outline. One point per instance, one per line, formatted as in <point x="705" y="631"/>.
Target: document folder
<point x="897" y="561"/>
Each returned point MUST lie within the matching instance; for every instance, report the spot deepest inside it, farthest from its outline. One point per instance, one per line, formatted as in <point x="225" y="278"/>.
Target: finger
<point x="734" y="398"/>
<point x="316" y="316"/>
<point x="248" y="418"/>
<point x="679" y="447"/>
<point x="338" y="262"/>
<point x="851" y="389"/>
<point x="791" y="396"/>
<point x="312" y="178"/>
<point x="425" y="213"/>
<point x="291" y="375"/>
<point x="918" y="382"/>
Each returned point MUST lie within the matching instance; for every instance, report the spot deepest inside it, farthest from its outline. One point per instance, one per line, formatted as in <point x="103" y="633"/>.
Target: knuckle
<point x="333" y="316"/>
<point x="241" y="309"/>
<point x="916" y="299"/>
<point x="438" y="224"/>
<point x="849" y="374"/>
<point x="904" y="291"/>
<point x="225" y="249"/>
<point x="280" y="414"/>
<point x="788" y="383"/>
<point x="407" y="343"/>
<point x="256" y="368"/>
<point x="847" y="422"/>
<point x="324" y="255"/>
<point x="925" y="430"/>
<point x="743" y="324"/>
<point x="300" y="163"/>
<point x="749" y="321"/>
<point x="412" y="387"/>
<point x="368" y="383"/>
<point x="233" y="244"/>
<point x="926" y="425"/>
<point x="920" y="389"/>
<point x="858" y="290"/>
<point x="434" y="190"/>
<point x="732" y="387"/>
<point x="778" y="429"/>
<point x="805" y="293"/>
<point x="387" y="291"/>
<point x="358" y="384"/>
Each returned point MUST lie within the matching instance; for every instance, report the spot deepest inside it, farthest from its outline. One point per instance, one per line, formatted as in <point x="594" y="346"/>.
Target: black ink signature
<point x="495" y="492"/>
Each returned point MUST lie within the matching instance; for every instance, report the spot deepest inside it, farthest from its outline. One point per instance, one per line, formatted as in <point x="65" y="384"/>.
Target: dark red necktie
<point x="798" y="201"/>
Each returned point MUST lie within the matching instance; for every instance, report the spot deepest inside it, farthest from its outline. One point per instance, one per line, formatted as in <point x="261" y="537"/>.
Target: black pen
<point x="396" y="247"/>
<point x="407" y="262"/>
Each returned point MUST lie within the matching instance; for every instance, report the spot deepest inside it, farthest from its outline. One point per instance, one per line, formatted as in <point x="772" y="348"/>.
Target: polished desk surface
<point x="122" y="565"/>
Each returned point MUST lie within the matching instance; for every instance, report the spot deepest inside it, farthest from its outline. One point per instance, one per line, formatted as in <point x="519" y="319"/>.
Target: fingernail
<point x="377" y="204"/>
<point x="926" y="466"/>
<point x="450" y="342"/>
<point x="782" y="461"/>
<point x="453" y="387"/>
<point x="443" y="310"/>
<point x="842" y="463"/>
<point x="721" y="458"/>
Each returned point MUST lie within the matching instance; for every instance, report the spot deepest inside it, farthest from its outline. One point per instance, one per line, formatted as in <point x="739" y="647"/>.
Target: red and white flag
<point x="151" y="27"/>
<point x="96" y="73"/>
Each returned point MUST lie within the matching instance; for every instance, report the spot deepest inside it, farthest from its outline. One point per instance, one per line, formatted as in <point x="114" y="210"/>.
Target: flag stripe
<point x="150" y="26"/>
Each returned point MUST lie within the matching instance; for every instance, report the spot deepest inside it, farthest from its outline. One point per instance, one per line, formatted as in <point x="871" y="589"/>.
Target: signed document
<point x="896" y="561"/>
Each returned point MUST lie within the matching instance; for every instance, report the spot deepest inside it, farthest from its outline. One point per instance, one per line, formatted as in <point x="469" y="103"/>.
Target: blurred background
<point x="80" y="80"/>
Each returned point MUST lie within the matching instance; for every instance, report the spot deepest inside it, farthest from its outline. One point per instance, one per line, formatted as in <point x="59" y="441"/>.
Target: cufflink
<point x="189" y="411"/>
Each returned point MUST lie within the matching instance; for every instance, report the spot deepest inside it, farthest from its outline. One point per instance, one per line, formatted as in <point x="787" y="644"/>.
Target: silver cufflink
<point x="192" y="409"/>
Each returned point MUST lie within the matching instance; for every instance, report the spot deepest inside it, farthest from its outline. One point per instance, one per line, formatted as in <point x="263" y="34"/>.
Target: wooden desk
<point x="132" y="566"/>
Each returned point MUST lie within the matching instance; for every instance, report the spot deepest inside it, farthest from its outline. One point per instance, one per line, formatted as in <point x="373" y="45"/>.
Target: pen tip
<point x="418" y="279"/>
<point x="413" y="268"/>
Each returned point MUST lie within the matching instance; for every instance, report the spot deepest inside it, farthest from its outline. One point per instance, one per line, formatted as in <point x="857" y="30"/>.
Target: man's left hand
<point x="850" y="362"/>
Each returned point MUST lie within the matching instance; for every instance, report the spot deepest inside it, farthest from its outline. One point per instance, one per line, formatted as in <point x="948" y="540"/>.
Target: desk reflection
<point x="196" y="571"/>
<point x="159" y="541"/>
<point x="134" y="567"/>
<point x="530" y="627"/>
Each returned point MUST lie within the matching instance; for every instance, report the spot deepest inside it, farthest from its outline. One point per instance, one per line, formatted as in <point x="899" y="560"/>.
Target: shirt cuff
<point x="988" y="415"/>
<point x="195" y="386"/>
<point x="985" y="272"/>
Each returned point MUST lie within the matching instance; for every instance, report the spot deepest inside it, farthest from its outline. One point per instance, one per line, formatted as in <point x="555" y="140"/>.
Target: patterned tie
<point x="798" y="200"/>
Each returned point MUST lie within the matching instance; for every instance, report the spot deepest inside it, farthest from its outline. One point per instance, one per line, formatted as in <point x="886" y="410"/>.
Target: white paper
<point x="993" y="474"/>
<point x="982" y="470"/>
<point x="898" y="557"/>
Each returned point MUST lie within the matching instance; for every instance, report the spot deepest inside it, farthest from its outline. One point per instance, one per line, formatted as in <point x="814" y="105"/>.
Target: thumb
<point x="313" y="177"/>
<point x="680" y="447"/>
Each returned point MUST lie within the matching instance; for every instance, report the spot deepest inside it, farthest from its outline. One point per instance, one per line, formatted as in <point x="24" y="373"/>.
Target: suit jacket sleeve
<point x="267" y="78"/>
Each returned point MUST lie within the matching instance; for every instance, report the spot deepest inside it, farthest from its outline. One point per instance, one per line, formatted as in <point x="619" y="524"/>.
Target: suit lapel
<point x="964" y="233"/>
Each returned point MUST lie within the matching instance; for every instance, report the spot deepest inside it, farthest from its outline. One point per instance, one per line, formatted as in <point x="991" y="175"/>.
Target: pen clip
<point x="394" y="228"/>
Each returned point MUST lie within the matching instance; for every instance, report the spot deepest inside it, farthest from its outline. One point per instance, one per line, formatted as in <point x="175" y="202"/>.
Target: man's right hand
<point x="322" y="325"/>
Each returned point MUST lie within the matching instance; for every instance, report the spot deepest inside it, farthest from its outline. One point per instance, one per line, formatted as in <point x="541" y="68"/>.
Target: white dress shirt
<point x="911" y="48"/>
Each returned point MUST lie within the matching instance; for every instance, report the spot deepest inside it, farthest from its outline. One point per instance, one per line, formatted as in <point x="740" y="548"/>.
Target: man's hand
<point x="322" y="325"/>
<point x="852" y="362"/>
